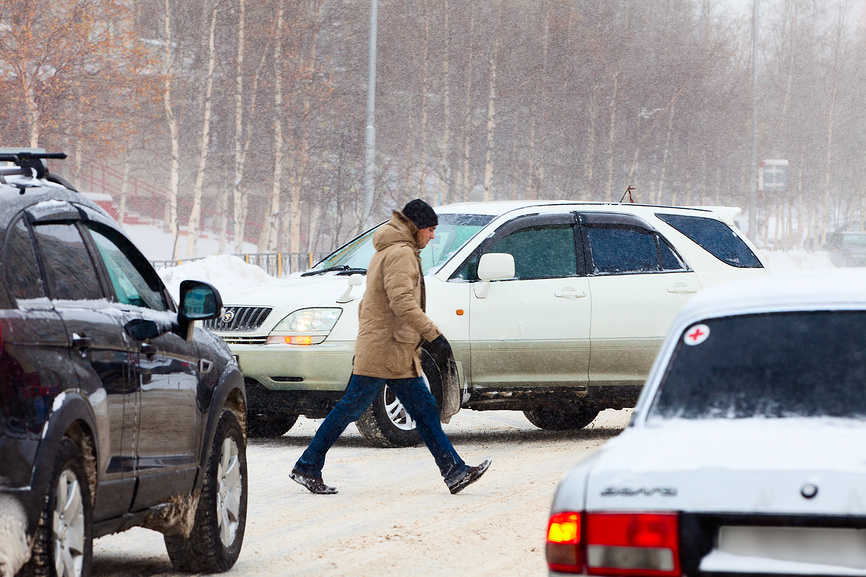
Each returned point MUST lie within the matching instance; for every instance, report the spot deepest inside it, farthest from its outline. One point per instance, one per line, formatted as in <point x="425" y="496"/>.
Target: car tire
<point x="386" y="423"/>
<point x="269" y="426"/>
<point x="63" y="545"/>
<point x="215" y="541"/>
<point x="558" y="420"/>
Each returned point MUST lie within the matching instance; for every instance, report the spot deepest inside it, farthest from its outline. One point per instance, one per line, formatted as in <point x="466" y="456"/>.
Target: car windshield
<point x="792" y="364"/>
<point x="452" y="232"/>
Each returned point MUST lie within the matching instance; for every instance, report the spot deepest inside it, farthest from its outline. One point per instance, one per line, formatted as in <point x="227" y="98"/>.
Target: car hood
<point x="293" y="293"/>
<point x="299" y="291"/>
<point x="756" y="466"/>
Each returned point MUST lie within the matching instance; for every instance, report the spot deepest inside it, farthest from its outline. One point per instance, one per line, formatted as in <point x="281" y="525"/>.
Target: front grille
<point x="238" y="319"/>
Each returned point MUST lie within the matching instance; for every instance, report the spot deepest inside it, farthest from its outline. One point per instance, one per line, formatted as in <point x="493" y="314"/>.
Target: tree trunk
<point x="425" y="83"/>
<point x="124" y="188"/>
<point x="174" y="134"/>
<point x="465" y="186"/>
<point x="194" y="227"/>
<point x="608" y="187"/>
<point x="238" y="198"/>
<point x="272" y="219"/>
<point x="491" y="112"/>
<point x="589" y="160"/>
<point x="445" y="146"/>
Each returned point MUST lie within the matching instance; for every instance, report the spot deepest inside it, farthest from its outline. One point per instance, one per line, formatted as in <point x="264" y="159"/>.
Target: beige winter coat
<point x="392" y="321"/>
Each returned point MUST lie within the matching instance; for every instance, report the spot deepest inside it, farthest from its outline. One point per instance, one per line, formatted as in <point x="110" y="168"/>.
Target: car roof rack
<point x="30" y="163"/>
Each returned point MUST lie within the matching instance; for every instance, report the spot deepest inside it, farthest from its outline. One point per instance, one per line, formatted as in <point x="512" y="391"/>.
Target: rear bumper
<point x="20" y="505"/>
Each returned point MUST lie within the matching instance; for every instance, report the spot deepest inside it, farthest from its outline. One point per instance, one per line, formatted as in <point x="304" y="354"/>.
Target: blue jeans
<point x="360" y="392"/>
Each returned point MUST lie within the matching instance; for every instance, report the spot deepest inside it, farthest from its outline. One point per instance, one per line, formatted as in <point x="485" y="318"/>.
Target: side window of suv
<point x="69" y="269"/>
<point x="134" y="281"/>
<point x="543" y="246"/>
<point x="618" y="246"/>
<point x="23" y="277"/>
<point x="545" y="251"/>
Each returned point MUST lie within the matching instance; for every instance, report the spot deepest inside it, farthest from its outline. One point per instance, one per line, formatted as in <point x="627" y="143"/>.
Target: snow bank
<point x="224" y="271"/>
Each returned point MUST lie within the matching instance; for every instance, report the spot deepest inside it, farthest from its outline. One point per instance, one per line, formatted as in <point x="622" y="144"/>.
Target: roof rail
<point x="33" y="160"/>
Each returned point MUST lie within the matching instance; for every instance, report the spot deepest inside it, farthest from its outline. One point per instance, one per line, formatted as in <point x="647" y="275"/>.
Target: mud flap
<point x="450" y="392"/>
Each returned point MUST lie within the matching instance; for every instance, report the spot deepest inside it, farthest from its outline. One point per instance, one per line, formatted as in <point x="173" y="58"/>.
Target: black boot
<point x="313" y="484"/>
<point x="468" y="476"/>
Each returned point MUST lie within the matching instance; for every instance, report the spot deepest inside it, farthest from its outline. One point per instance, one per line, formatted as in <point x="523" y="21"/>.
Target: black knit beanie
<point x="420" y="213"/>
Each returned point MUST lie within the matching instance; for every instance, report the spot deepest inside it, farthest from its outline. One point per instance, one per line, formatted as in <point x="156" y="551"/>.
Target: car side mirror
<point x="354" y="280"/>
<point x="493" y="266"/>
<point x="199" y="301"/>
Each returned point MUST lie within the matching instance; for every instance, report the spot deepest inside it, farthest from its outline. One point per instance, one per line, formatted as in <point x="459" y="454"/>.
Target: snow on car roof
<point x="500" y="207"/>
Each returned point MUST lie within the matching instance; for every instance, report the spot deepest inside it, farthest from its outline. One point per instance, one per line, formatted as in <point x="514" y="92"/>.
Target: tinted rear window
<point x="801" y="364"/>
<point x="715" y="237"/>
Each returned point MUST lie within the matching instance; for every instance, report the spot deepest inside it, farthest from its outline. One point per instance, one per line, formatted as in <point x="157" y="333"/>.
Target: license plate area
<point x="817" y="550"/>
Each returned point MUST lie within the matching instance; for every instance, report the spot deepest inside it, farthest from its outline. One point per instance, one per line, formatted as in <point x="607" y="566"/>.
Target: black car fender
<point x="229" y="393"/>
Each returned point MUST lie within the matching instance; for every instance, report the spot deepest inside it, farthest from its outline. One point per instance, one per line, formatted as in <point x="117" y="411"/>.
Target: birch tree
<point x="193" y="229"/>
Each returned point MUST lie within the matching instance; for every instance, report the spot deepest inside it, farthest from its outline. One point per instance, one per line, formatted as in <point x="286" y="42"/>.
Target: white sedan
<point x="746" y="453"/>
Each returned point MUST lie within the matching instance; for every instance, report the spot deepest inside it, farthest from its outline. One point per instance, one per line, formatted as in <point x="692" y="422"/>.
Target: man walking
<point x="392" y="326"/>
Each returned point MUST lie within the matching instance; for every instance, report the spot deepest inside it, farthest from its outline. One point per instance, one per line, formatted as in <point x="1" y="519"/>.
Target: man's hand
<point x="440" y="350"/>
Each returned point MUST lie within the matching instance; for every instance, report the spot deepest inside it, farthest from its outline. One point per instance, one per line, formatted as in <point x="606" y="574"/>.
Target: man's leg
<point x="421" y="406"/>
<point x="359" y="395"/>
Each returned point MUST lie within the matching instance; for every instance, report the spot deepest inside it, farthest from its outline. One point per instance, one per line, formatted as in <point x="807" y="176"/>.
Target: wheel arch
<point x="229" y="393"/>
<point x="71" y="418"/>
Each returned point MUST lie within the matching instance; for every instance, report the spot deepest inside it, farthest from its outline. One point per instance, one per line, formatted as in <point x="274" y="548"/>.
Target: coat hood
<point x="397" y="230"/>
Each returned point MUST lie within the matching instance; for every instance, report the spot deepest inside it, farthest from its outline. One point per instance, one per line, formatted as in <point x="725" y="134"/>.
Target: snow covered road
<point x="393" y="515"/>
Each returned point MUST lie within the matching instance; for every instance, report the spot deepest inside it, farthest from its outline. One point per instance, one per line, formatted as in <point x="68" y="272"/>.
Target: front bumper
<point x="323" y="367"/>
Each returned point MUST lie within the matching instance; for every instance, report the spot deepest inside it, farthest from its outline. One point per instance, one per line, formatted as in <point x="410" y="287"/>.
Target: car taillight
<point x="563" y="548"/>
<point x="632" y="544"/>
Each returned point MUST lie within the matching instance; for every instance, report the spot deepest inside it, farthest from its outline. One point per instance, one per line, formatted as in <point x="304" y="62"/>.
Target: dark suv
<point x="115" y="410"/>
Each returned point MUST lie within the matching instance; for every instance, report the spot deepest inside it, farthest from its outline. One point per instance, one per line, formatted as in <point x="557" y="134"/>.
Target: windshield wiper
<point x="342" y="269"/>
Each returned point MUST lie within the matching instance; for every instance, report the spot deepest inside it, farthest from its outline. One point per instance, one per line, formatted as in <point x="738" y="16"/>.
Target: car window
<point x="69" y="269"/>
<point x="624" y="249"/>
<point x="545" y="251"/>
<point x="134" y="281"/>
<point x="452" y="232"/>
<point x="542" y="247"/>
<point x="767" y="365"/>
<point x="715" y="237"/>
<point x="23" y="277"/>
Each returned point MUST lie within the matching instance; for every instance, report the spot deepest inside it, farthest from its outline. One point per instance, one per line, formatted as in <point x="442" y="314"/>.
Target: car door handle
<point x="569" y="293"/>
<point x="147" y="349"/>
<point x="204" y="366"/>
<point x="80" y="341"/>
<point x="682" y="288"/>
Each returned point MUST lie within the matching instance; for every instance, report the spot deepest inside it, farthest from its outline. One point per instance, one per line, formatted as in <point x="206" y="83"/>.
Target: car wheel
<point x="386" y="423"/>
<point x="220" y="519"/>
<point x="63" y="546"/>
<point x="269" y="426"/>
<point x="561" y="420"/>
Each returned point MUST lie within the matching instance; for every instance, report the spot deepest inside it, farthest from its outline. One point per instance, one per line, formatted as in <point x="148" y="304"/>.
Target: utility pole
<point x="753" y="189"/>
<point x="370" y="131"/>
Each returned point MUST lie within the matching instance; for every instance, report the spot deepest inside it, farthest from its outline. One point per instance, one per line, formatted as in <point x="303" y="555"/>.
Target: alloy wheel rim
<point x="229" y="491"/>
<point x="396" y="412"/>
<point x="68" y="526"/>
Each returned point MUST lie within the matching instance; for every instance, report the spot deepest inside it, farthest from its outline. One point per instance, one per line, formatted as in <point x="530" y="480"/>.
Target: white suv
<point x="556" y="309"/>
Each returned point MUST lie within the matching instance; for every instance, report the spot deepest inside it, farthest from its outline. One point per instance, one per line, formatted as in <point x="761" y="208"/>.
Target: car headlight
<point x="305" y="327"/>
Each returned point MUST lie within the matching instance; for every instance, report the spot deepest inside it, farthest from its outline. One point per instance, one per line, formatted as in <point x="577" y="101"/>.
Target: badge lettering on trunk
<point x="633" y="492"/>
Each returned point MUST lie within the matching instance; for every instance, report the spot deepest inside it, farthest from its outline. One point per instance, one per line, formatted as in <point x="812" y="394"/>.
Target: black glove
<point x="440" y="350"/>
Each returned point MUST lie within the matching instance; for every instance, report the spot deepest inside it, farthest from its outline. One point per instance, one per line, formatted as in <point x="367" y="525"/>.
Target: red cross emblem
<point x="696" y="335"/>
